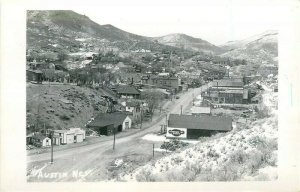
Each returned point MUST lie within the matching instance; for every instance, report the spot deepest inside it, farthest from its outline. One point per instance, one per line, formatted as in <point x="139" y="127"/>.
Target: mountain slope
<point x="187" y="42"/>
<point x="64" y="30"/>
<point x="261" y="48"/>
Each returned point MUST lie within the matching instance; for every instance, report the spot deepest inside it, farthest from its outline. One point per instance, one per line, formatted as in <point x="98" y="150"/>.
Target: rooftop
<point x="105" y="119"/>
<point x="217" y="123"/>
<point x="227" y="83"/>
<point x="126" y="89"/>
<point x="200" y="110"/>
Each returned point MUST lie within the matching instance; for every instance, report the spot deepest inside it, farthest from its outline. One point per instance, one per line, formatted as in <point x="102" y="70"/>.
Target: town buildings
<point x="227" y="91"/>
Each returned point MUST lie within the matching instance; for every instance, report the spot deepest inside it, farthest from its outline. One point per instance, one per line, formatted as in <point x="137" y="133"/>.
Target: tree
<point x="153" y="98"/>
<point x="49" y="74"/>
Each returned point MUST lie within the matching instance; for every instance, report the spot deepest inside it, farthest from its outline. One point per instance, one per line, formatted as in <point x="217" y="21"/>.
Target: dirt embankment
<point x="62" y="106"/>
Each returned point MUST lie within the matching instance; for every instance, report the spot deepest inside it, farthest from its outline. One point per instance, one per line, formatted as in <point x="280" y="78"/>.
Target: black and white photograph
<point x="182" y="92"/>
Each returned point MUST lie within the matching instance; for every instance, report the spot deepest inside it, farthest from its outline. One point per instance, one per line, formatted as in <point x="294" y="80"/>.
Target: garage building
<point x="193" y="127"/>
<point x="106" y="123"/>
<point x="67" y="136"/>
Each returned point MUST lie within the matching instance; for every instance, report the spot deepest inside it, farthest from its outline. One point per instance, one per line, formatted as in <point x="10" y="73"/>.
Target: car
<point x="177" y="97"/>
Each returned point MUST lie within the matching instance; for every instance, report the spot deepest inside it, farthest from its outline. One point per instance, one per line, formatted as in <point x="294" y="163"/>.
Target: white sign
<point x="176" y="132"/>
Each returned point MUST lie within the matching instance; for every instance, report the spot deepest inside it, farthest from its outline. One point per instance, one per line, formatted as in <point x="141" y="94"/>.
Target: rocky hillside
<point x="184" y="41"/>
<point x="261" y="48"/>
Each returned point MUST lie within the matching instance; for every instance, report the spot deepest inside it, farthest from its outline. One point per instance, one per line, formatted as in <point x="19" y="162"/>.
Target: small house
<point x="193" y="127"/>
<point x="108" y="123"/>
<point x="40" y="140"/>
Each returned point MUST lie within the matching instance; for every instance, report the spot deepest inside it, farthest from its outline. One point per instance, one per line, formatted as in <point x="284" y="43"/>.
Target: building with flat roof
<point x="193" y="127"/>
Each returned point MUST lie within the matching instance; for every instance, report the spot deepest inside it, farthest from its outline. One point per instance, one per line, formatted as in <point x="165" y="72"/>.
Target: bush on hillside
<point x="173" y="145"/>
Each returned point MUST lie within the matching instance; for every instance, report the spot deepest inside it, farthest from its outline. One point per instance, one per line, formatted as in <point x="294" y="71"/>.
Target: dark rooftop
<point x="126" y="89"/>
<point x="217" y="123"/>
<point x="105" y="119"/>
<point x="228" y="83"/>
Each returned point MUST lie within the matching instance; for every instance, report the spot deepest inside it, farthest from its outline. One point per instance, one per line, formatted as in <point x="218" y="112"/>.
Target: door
<point x="79" y="138"/>
<point x="70" y="138"/>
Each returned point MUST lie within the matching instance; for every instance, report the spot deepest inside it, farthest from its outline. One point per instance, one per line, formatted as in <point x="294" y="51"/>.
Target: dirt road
<point x="91" y="162"/>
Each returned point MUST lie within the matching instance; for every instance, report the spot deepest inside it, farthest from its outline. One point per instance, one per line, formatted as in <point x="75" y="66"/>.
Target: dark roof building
<point x="228" y="83"/>
<point x="34" y="75"/>
<point x="193" y="127"/>
<point x="126" y="91"/>
<point x="105" y="123"/>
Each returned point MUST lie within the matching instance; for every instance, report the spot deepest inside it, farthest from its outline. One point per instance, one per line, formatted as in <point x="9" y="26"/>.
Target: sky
<point x="215" y="21"/>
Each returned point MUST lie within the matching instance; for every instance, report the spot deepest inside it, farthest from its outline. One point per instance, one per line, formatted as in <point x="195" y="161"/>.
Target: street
<point x="95" y="158"/>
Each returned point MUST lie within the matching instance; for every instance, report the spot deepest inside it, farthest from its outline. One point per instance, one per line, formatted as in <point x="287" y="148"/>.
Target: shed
<point x="193" y="127"/>
<point x="40" y="140"/>
<point x="34" y="75"/>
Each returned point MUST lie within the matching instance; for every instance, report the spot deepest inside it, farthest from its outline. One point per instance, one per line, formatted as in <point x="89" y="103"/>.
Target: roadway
<point x="87" y="156"/>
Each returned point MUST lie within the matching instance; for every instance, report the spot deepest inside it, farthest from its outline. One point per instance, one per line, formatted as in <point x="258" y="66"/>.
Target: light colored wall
<point x="127" y="119"/>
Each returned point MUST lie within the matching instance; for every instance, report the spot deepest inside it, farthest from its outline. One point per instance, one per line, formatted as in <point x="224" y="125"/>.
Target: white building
<point x="71" y="135"/>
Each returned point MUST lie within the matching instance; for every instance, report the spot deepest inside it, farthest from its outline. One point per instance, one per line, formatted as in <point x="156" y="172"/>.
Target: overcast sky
<point x="215" y="21"/>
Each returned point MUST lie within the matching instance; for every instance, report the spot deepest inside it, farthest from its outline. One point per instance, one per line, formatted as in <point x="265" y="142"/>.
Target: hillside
<point x="62" y="106"/>
<point x="248" y="152"/>
<point x="184" y="41"/>
<point x="57" y="34"/>
<point x="261" y="48"/>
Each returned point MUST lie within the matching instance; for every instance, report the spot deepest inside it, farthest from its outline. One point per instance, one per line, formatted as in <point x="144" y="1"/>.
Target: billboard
<point x="176" y="132"/>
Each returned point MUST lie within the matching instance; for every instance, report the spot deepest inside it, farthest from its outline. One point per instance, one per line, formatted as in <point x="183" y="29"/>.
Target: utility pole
<point x="141" y="119"/>
<point x="181" y="109"/>
<point x="114" y="138"/>
<point x="153" y="150"/>
<point x="52" y="133"/>
<point x="193" y="98"/>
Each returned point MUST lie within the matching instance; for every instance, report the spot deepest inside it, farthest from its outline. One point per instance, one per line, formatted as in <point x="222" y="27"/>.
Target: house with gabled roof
<point x="108" y="123"/>
<point x="128" y="92"/>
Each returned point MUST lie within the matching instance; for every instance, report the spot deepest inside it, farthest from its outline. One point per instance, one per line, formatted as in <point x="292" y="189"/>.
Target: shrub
<point x="173" y="145"/>
<point x="64" y="117"/>
<point x="145" y="175"/>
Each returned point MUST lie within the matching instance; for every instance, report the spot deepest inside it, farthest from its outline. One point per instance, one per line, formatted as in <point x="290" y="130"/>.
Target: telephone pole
<point x="153" y="151"/>
<point x="114" y="138"/>
<point x="52" y="133"/>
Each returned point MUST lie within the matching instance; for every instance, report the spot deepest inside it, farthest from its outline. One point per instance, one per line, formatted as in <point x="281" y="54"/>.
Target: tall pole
<point x="52" y="133"/>
<point x="153" y="150"/>
<point x="180" y="109"/>
<point x="114" y="139"/>
<point x="141" y="119"/>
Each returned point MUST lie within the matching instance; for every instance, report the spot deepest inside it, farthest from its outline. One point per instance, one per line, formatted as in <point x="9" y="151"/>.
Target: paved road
<point x="81" y="157"/>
